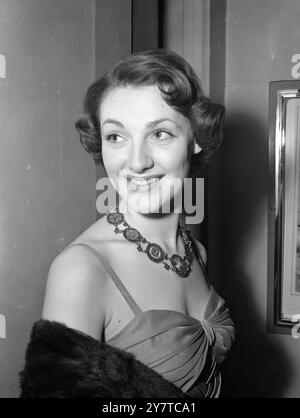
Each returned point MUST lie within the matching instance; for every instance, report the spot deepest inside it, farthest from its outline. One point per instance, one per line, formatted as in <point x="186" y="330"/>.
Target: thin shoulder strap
<point x="127" y="296"/>
<point x="197" y="252"/>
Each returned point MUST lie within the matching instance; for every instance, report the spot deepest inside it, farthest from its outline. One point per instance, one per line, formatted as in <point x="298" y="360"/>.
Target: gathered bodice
<point x="183" y="349"/>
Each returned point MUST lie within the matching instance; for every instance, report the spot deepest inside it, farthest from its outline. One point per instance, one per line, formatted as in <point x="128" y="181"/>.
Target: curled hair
<point x="180" y="88"/>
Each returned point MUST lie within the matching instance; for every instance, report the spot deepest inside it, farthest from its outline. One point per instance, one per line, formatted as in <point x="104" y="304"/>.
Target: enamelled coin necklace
<point x="176" y="263"/>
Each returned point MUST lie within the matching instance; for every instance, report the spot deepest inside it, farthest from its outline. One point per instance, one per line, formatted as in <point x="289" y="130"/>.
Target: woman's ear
<point x="197" y="148"/>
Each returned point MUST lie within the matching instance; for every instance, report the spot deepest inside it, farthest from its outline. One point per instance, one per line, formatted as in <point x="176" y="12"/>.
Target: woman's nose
<point x="140" y="158"/>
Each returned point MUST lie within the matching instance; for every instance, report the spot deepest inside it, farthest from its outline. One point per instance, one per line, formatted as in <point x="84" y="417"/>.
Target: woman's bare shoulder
<point x="76" y="290"/>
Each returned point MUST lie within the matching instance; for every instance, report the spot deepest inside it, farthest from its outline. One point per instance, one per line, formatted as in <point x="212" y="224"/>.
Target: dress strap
<point x="127" y="296"/>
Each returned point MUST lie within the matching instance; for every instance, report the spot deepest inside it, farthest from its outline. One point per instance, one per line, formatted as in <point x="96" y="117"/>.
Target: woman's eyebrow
<point x="113" y="121"/>
<point x="156" y="122"/>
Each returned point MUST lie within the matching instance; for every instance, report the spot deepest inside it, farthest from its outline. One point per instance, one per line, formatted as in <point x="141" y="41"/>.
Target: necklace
<point x="176" y="263"/>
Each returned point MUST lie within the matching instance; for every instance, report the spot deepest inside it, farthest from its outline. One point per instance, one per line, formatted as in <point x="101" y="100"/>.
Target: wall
<point x="184" y="30"/>
<point x="262" y="37"/>
<point x="47" y="180"/>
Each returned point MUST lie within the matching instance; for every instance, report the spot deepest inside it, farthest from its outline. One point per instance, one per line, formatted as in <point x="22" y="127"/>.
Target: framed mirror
<point x="284" y="207"/>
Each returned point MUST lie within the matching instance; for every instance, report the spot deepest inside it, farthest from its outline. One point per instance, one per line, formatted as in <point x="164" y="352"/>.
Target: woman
<point x="133" y="285"/>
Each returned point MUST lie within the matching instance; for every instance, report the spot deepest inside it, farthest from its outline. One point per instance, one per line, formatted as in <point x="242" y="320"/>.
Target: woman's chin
<point x="144" y="202"/>
<point x="149" y="203"/>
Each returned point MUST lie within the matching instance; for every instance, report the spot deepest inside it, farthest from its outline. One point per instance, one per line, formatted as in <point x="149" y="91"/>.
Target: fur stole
<point x="62" y="362"/>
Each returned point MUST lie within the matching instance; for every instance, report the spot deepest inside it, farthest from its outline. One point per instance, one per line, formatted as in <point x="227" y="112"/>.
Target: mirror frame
<point x="280" y="92"/>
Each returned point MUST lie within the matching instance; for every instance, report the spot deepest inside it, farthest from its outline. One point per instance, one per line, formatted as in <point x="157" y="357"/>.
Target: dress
<point x="182" y="349"/>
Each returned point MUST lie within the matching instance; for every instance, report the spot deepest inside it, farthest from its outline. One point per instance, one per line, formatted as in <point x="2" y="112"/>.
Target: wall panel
<point x="47" y="179"/>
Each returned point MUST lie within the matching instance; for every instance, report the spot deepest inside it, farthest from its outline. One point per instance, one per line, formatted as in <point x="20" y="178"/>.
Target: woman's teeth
<point x="140" y="182"/>
<point x="143" y="184"/>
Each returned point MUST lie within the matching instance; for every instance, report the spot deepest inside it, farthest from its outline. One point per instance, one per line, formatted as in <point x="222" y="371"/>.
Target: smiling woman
<point x="129" y="310"/>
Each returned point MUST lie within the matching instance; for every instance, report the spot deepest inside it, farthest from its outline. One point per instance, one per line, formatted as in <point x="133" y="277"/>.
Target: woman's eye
<point x="114" y="138"/>
<point x="162" y="134"/>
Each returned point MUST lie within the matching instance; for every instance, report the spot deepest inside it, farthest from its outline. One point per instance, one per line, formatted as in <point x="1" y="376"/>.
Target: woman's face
<point x="146" y="147"/>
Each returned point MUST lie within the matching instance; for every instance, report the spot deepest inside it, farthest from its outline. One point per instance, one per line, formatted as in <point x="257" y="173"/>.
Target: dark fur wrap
<point x="62" y="362"/>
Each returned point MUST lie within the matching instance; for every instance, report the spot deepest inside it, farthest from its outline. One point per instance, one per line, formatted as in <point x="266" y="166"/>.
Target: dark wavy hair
<point x="180" y="88"/>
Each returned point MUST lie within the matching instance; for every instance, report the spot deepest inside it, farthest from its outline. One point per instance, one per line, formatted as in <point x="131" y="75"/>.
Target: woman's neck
<point x="161" y="229"/>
